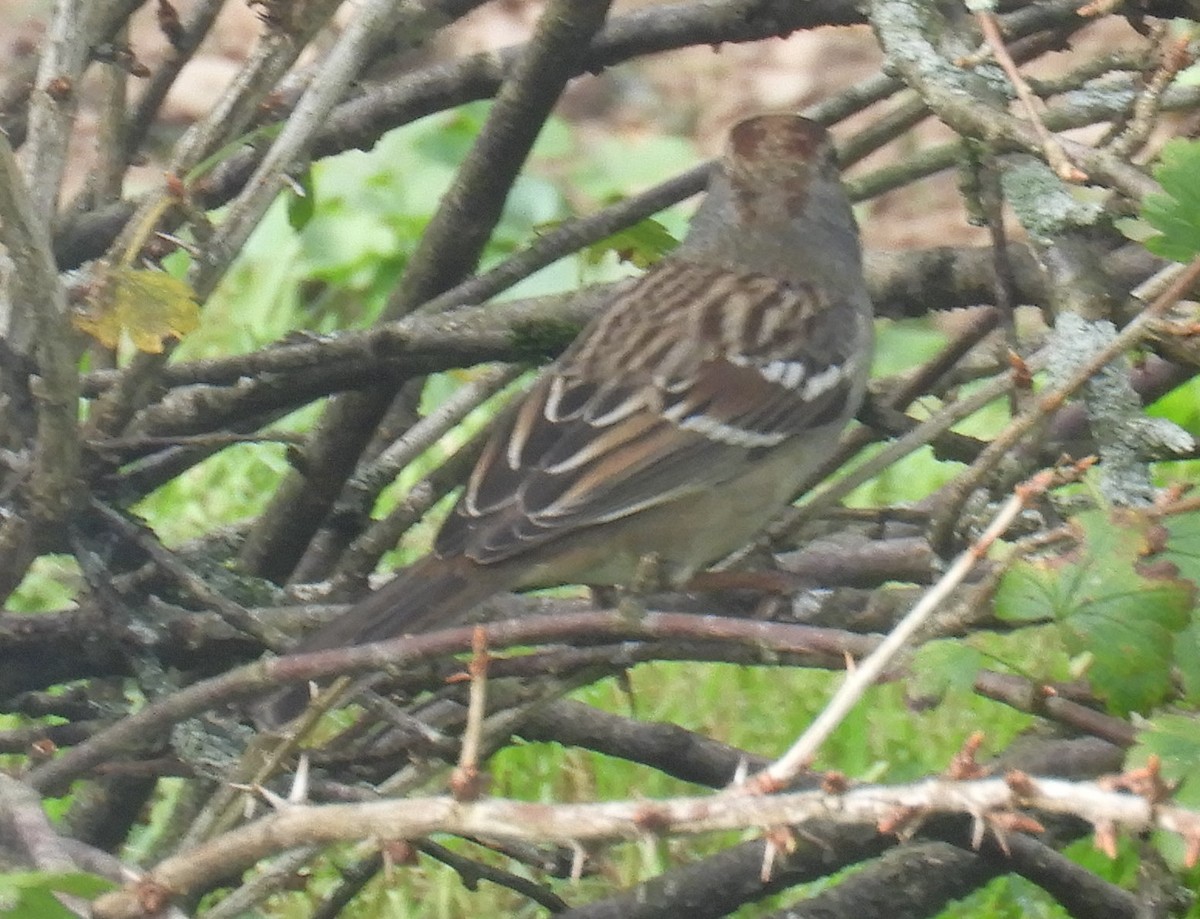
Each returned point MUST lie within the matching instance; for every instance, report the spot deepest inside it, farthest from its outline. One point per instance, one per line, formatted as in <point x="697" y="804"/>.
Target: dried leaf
<point x="150" y="307"/>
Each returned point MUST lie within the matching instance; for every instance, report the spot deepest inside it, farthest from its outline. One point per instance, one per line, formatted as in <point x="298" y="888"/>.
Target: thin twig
<point x="371" y="479"/>
<point x="864" y="674"/>
<point x="1175" y="55"/>
<point x="465" y="783"/>
<point x="1055" y="155"/>
<point x="148" y="723"/>
<point x="53" y="104"/>
<point x="371" y="21"/>
<point x="1050" y="401"/>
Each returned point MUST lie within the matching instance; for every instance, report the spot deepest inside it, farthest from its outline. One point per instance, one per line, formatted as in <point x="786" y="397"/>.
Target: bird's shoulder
<point x="684" y="313"/>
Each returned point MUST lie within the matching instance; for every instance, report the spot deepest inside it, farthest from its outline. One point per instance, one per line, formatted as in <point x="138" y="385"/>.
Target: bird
<point x="680" y="420"/>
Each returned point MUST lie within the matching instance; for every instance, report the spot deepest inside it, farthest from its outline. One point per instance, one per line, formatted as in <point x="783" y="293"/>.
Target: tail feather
<point x="428" y="594"/>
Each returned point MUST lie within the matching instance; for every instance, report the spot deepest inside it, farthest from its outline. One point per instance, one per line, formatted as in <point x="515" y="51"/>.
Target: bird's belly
<point x="714" y="522"/>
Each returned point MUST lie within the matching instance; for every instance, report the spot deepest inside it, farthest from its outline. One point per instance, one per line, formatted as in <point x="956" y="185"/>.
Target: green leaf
<point x="79" y="883"/>
<point x="1175" y="740"/>
<point x="30" y="894"/>
<point x="345" y="246"/>
<point x="941" y="667"/>
<point x="1135" y="228"/>
<point x="302" y="202"/>
<point x="1031" y="591"/>
<point x="641" y="245"/>
<point x="1187" y="659"/>
<point x="1176" y="212"/>
<point x="38" y="904"/>
<point x="1183" y="551"/>
<point x="1112" y="602"/>
<point x="455" y="134"/>
<point x="1182" y="544"/>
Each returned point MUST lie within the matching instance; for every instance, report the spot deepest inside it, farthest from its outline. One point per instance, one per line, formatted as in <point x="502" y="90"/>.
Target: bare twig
<point x="909" y="34"/>
<point x="52" y="108"/>
<point x="406" y="819"/>
<point x="372" y="20"/>
<point x="449" y="249"/>
<point x="1175" y="55"/>
<point x="465" y="783"/>
<point x="1066" y="170"/>
<point x="390" y="656"/>
<point x="1050" y="401"/>
<point x="227" y="119"/>
<point x="38" y="327"/>
<point x="858" y="680"/>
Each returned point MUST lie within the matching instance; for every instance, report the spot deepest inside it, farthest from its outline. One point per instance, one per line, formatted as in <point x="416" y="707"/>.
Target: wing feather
<point x="633" y="415"/>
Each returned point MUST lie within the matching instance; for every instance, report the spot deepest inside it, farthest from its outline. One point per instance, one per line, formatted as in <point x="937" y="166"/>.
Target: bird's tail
<point x="429" y="594"/>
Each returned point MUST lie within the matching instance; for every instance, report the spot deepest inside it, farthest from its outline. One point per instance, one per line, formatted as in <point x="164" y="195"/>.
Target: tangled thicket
<point x="137" y="677"/>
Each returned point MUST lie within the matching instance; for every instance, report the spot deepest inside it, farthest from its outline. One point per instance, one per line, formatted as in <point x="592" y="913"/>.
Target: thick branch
<point x="237" y="850"/>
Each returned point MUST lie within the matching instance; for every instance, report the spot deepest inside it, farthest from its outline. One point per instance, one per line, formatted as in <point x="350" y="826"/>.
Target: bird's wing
<point x="687" y="375"/>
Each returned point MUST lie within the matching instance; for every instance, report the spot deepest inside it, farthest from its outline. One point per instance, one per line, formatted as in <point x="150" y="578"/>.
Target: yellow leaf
<point x="148" y="306"/>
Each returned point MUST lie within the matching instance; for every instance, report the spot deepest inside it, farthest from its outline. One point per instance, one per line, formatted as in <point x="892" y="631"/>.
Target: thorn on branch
<point x="1106" y="838"/>
<point x="175" y="185"/>
<point x="778" y="839"/>
<point x="152" y="896"/>
<point x="1004" y="823"/>
<point x="60" y="89"/>
<point x="1191" y="855"/>
<point x="763" y="783"/>
<point x="398" y="852"/>
<point x="1021" y="784"/>
<point x="652" y="820"/>
<point x="121" y="56"/>
<point x="1022" y="375"/>
<point x="42" y="750"/>
<point x="1146" y="782"/>
<point x="298" y="793"/>
<point x="834" y="783"/>
<point x="468" y="783"/>
<point x="578" y="860"/>
<point x="964" y="764"/>
<point x="902" y="822"/>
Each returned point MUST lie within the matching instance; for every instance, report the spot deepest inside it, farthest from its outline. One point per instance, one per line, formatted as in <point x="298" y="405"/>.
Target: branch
<point x="271" y="58"/>
<point x="965" y="101"/>
<point x="239" y="849"/>
<point x="931" y="874"/>
<point x="38" y="326"/>
<point x="448" y="251"/>
<point x="666" y="747"/>
<point x="822" y="646"/>
<point x="52" y="106"/>
<point x="1050" y="401"/>
<point x="414" y="20"/>
<point x="802" y="752"/>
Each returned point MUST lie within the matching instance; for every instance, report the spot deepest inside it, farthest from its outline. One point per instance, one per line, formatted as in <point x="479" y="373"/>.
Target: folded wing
<point x="611" y="431"/>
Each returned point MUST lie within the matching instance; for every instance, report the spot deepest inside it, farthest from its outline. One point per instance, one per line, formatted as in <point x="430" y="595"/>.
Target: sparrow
<point x="682" y="418"/>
